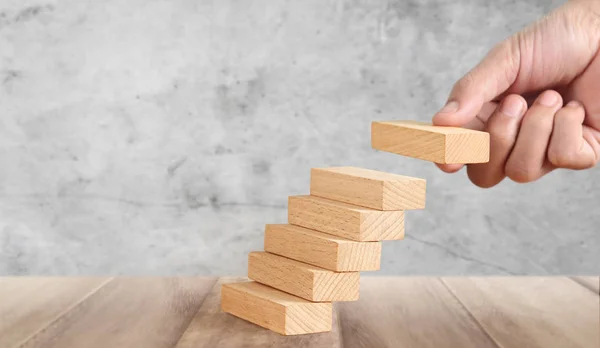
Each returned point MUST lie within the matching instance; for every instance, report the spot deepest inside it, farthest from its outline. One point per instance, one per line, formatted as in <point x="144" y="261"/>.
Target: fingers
<point x="494" y="75"/>
<point x="526" y="144"/>
<point x="503" y="127"/>
<point x="528" y="161"/>
<point x="478" y="123"/>
<point x="569" y="148"/>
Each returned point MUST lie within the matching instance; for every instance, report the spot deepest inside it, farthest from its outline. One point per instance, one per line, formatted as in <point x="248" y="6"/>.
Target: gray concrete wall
<point x="159" y="137"/>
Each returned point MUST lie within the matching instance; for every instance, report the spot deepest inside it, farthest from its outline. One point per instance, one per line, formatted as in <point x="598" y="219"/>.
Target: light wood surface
<point x="345" y="220"/>
<point x="29" y="304"/>
<point x="533" y="312"/>
<point x="275" y="310"/>
<point x="128" y="312"/>
<point x="409" y="312"/>
<point x="431" y="143"/>
<point x="303" y="280"/>
<point x="322" y="250"/>
<point x="213" y="328"/>
<point x="514" y="312"/>
<point x="368" y="188"/>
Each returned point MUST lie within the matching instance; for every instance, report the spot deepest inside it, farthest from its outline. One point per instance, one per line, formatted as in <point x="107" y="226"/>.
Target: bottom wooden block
<point x="275" y="310"/>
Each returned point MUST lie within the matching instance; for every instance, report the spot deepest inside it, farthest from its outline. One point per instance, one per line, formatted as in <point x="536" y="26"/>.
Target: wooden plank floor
<point x="28" y="305"/>
<point x="213" y="328"/>
<point x="409" y="312"/>
<point x="182" y="312"/>
<point x="531" y="312"/>
<point x="121" y="312"/>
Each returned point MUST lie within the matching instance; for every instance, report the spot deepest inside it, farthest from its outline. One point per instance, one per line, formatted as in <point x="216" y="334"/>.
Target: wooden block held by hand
<point x="322" y="250"/>
<point x="431" y="143"/>
<point x="303" y="280"/>
<point x="275" y="310"/>
<point x="345" y="220"/>
<point x="368" y="188"/>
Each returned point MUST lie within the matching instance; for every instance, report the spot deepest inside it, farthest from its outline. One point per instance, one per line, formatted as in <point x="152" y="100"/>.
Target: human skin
<point x="538" y="95"/>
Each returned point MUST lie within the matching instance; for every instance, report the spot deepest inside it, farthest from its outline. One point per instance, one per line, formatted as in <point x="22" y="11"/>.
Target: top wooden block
<point x="447" y="145"/>
<point x="368" y="188"/>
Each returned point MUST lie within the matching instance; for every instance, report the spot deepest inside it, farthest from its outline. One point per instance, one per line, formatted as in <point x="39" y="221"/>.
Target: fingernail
<point x="451" y="106"/>
<point x="548" y="99"/>
<point x="573" y="104"/>
<point x="513" y="109"/>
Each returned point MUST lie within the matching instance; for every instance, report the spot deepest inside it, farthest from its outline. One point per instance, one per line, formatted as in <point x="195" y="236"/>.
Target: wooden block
<point x="345" y="220"/>
<point x="303" y="280"/>
<point x="431" y="143"/>
<point x="213" y="328"/>
<point x="275" y="310"/>
<point x="322" y="250"/>
<point x="368" y="188"/>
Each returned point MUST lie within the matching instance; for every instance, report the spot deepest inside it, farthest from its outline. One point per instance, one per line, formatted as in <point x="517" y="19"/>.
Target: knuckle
<point x="571" y="159"/>
<point x="501" y="130"/>
<point x="521" y="173"/>
<point x="561" y="158"/>
<point x="466" y="82"/>
<point x="587" y="163"/>
<point x="587" y="16"/>
<point x="539" y="121"/>
<point x="510" y="52"/>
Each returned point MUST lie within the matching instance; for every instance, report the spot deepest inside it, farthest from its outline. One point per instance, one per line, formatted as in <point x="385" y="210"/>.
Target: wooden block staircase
<point x="336" y="231"/>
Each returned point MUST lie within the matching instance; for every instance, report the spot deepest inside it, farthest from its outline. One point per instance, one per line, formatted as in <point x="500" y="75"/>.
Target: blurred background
<point x="158" y="137"/>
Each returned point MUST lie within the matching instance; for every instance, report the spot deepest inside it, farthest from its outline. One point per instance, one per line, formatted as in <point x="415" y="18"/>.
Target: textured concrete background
<point x="159" y="136"/>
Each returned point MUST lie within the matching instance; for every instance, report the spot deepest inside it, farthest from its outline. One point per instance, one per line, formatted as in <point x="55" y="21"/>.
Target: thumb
<point x="490" y="78"/>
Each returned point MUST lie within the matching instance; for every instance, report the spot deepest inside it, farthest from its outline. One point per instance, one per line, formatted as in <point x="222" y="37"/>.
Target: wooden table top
<point x="184" y="312"/>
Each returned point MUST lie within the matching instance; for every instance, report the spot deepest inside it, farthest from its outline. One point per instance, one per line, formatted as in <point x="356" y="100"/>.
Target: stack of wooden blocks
<point x="336" y="232"/>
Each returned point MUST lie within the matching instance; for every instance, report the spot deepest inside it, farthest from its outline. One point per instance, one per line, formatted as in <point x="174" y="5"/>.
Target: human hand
<point x="538" y="95"/>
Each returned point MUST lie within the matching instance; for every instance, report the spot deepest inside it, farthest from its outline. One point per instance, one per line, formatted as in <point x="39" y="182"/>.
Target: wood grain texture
<point x="129" y="312"/>
<point x="532" y="312"/>
<point x="276" y="310"/>
<point x="591" y="283"/>
<point x="408" y="312"/>
<point x="553" y="312"/>
<point x="213" y="328"/>
<point x="28" y="305"/>
<point x="322" y="250"/>
<point x="303" y="280"/>
<point x="368" y="188"/>
<point x="345" y="220"/>
<point x="431" y="143"/>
